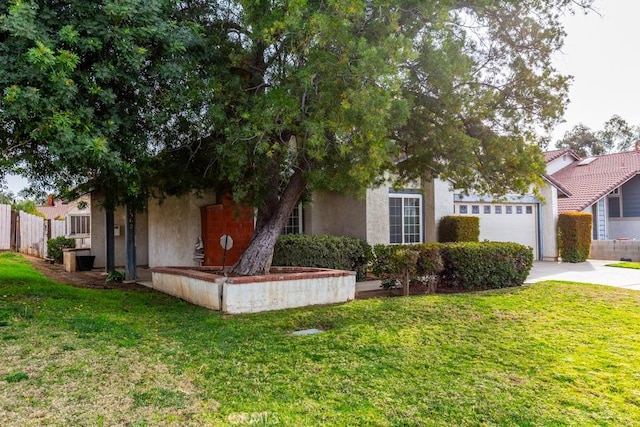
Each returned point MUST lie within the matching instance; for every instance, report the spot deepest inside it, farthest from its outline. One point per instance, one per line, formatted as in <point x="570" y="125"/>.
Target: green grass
<point x="554" y="353"/>
<point x="625" y="264"/>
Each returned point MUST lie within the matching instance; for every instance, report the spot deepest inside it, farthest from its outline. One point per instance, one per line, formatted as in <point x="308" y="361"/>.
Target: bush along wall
<point x="455" y="228"/>
<point x="574" y="236"/>
<point x="323" y="251"/>
<point x="400" y="265"/>
<point x="56" y="245"/>
<point x="486" y="265"/>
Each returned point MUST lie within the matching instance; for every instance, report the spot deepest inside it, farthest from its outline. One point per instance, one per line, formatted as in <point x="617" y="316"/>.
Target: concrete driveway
<point x="591" y="271"/>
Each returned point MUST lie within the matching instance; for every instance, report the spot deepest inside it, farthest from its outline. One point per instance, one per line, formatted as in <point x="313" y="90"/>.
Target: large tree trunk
<point x="257" y="258"/>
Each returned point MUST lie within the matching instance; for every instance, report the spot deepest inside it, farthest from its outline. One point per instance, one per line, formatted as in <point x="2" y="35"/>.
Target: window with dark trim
<point x="79" y="225"/>
<point x="405" y="218"/>
<point x="295" y="223"/>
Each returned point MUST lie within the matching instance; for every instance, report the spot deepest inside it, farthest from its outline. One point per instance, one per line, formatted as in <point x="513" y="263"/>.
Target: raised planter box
<point x="85" y="262"/>
<point x="285" y="287"/>
<point x="69" y="258"/>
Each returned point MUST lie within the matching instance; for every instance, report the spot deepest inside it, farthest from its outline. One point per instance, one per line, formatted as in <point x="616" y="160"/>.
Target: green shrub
<point x="323" y="251"/>
<point x="400" y="265"/>
<point x="574" y="236"/>
<point x="459" y="229"/>
<point x="56" y="245"/>
<point x="486" y="265"/>
<point x="116" y="276"/>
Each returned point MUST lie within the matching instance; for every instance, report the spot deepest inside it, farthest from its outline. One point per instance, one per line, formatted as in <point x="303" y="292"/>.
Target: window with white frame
<point x="405" y="218"/>
<point x="295" y="222"/>
<point x="79" y="225"/>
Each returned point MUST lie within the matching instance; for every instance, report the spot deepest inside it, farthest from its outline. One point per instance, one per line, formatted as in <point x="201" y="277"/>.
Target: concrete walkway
<point x="591" y="271"/>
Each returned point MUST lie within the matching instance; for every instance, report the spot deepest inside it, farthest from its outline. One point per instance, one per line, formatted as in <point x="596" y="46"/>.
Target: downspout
<point x="540" y="233"/>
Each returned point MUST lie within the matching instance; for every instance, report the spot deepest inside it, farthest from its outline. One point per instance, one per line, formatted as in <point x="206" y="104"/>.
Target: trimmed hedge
<point x="56" y="245"/>
<point x="401" y="264"/>
<point x="463" y="265"/>
<point x="454" y="228"/>
<point x="574" y="236"/>
<point x="486" y="265"/>
<point x="323" y="251"/>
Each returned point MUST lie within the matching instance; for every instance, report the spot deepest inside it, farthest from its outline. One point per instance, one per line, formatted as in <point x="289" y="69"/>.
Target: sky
<point x="600" y="53"/>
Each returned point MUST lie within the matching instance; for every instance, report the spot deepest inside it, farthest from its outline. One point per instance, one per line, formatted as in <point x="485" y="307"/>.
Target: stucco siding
<point x="98" y="235"/>
<point x="378" y="215"/>
<point x="624" y="228"/>
<point x="332" y="213"/>
<point x="174" y="228"/>
<point x="438" y="202"/>
<point x="559" y="163"/>
<point x="549" y="221"/>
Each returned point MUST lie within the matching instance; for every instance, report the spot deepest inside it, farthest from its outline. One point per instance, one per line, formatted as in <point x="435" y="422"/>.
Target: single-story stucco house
<point x="606" y="186"/>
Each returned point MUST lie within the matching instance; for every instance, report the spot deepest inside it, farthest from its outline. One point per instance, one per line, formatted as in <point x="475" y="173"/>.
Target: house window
<point x="295" y="222"/>
<point x="463" y="209"/>
<point x="475" y="209"/>
<point x="405" y="218"/>
<point x="78" y="225"/>
<point x="529" y="210"/>
<point x="519" y="210"/>
<point x="487" y="209"/>
<point x="614" y="203"/>
<point x="498" y="210"/>
<point x="509" y="210"/>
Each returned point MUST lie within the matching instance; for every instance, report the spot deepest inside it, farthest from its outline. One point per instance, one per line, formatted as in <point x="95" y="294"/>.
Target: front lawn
<point x="626" y="264"/>
<point x="549" y="354"/>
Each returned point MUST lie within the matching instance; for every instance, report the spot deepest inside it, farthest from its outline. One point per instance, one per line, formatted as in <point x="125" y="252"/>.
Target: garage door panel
<point x="508" y="227"/>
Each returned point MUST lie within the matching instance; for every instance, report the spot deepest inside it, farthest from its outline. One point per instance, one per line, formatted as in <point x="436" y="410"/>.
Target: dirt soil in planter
<point x="414" y="289"/>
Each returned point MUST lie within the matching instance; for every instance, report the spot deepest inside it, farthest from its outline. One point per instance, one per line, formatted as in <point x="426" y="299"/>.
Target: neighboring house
<point x="606" y="186"/>
<point x="76" y="215"/>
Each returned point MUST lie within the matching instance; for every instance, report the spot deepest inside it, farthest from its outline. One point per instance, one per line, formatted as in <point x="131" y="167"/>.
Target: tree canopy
<point x="83" y="86"/>
<point x="616" y="136"/>
<point x="271" y="98"/>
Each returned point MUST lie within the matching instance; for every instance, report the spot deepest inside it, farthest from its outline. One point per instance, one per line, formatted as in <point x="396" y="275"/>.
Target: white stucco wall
<point x="628" y="228"/>
<point x="559" y="163"/>
<point x="98" y="235"/>
<point x="378" y="215"/>
<point x="438" y="202"/>
<point x="549" y="221"/>
<point x="174" y="228"/>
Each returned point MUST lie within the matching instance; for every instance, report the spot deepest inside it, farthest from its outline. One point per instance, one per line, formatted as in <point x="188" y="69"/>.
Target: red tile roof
<point x="57" y="210"/>
<point x="562" y="191"/>
<point x="590" y="182"/>
<point x="53" y="212"/>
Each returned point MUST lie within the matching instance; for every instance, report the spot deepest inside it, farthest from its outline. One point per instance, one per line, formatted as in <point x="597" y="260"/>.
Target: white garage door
<point x="509" y="222"/>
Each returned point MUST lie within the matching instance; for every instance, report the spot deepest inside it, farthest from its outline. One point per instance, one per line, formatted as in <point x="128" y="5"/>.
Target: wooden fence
<point x="5" y="227"/>
<point x="27" y="234"/>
